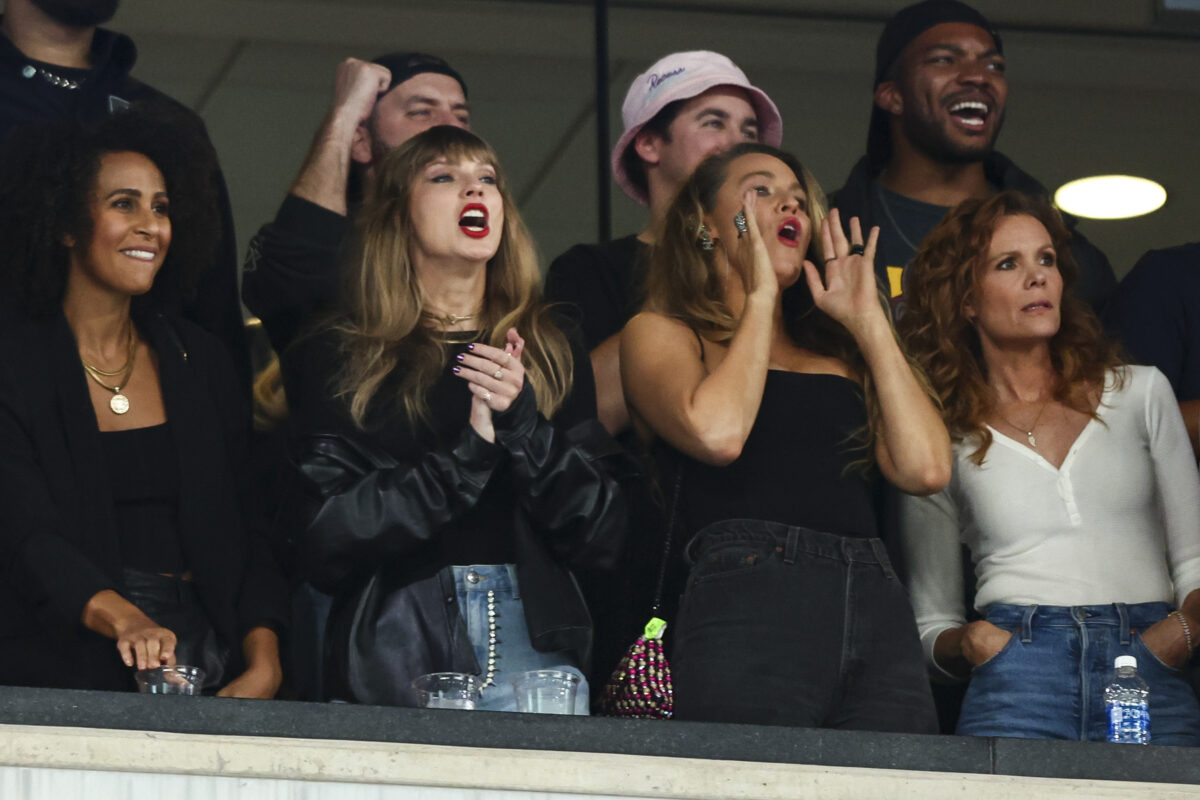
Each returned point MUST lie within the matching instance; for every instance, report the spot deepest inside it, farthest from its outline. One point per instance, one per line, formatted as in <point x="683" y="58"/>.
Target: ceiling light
<point x="1110" y="197"/>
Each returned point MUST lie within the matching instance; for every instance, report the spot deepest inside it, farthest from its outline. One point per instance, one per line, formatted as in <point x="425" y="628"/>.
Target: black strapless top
<point x="143" y="468"/>
<point x="795" y="467"/>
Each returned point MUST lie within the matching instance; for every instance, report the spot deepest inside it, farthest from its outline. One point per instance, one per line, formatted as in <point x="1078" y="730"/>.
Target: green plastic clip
<point x="655" y="628"/>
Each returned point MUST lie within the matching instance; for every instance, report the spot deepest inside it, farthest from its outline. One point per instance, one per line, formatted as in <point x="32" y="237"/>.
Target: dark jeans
<point x="789" y="626"/>
<point x="1048" y="681"/>
<point x="175" y="604"/>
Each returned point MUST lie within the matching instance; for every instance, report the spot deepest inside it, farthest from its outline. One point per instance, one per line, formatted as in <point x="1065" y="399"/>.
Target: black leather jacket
<point x="368" y="517"/>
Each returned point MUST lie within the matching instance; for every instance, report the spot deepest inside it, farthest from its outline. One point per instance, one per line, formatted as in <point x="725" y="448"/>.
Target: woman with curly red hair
<point x="1073" y="487"/>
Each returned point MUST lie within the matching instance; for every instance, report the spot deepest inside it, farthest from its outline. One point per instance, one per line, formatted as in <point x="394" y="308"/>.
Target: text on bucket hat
<point x="682" y="76"/>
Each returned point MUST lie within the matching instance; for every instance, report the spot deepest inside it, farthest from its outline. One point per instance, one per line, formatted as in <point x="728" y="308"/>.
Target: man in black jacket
<point x="57" y="65"/>
<point x="940" y="95"/>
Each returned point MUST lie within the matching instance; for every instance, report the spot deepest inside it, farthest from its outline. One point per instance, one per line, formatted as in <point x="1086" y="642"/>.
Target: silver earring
<point x="706" y="242"/>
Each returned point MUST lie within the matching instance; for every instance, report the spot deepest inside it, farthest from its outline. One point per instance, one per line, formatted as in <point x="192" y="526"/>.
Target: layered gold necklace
<point x="118" y="403"/>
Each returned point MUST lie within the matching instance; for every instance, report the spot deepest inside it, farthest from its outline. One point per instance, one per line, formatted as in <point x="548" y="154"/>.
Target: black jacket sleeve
<point x="362" y="507"/>
<point x="262" y="596"/>
<point x="572" y="478"/>
<point x="37" y="561"/>
<point x="291" y="270"/>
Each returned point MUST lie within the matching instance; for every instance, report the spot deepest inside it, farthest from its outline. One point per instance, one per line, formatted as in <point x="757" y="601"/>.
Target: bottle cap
<point x="1125" y="661"/>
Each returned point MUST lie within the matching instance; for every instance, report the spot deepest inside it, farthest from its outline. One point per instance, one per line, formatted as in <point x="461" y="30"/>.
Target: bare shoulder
<point x="650" y="341"/>
<point x="651" y="331"/>
<point x="652" y="325"/>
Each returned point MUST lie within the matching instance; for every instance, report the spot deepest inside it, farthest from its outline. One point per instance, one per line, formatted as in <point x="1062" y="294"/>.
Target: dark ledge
<point x="1028" y="758"/>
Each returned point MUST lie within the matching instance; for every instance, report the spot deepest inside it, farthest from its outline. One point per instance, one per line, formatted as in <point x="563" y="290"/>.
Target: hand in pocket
<point x="982" y="640"/>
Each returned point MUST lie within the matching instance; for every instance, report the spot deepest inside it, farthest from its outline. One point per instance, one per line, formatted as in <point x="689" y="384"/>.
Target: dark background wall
<point x="1096" y="86"/>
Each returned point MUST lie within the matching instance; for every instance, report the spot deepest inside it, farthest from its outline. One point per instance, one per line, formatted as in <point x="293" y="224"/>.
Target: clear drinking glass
<point x="447" y="690"/>
<point x="179" y="679"/>
<point x="546" y="691"/>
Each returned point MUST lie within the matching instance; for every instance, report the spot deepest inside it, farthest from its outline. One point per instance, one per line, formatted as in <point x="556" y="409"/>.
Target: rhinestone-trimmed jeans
<point x="512" y="652"/>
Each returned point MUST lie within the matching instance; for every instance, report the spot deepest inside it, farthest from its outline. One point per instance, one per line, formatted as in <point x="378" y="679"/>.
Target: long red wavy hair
<point x="942" y="280"/>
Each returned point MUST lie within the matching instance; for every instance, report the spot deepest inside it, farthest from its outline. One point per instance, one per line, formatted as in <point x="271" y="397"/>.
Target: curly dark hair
<point x="944" y="276"/>
<point x="49" y="178"/>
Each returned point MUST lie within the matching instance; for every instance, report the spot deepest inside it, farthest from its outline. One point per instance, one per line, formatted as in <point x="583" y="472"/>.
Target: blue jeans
<point x="1048" y="681"/>
<point x="513" y="653"/>
<point x="789" y="626"/>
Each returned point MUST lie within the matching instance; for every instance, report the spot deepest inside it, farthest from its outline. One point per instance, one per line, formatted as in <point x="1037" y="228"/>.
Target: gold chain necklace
<point x="118" y="403"/>
<point x="1028" y="433"/>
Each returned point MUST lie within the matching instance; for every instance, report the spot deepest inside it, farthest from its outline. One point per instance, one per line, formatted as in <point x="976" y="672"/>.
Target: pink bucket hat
<point x="681" y="76"/>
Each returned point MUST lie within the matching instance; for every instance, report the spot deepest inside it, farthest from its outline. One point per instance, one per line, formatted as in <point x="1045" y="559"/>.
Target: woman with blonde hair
<point x="448" y="504"/>
<point x="1074" y="488"/>
<point x="777" y="387"/>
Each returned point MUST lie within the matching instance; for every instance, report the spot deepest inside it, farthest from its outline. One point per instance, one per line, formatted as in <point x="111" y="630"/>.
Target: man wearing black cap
<point x="56" y="64"/>
<point x="940" y="94"/>
<point x="291" y="267"/>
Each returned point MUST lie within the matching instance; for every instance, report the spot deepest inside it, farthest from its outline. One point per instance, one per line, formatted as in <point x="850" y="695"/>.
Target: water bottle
<point x="1127" y="703"/>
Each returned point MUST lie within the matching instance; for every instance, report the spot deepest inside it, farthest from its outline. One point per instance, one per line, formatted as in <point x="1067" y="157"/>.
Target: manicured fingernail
<point x="460" y="356"/>
<point x="457" y="370"/>
<point x="470" y="347"/>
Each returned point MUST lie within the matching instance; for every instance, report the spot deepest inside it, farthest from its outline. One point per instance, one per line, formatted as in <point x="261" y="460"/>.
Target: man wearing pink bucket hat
<point x="685" y="107"/>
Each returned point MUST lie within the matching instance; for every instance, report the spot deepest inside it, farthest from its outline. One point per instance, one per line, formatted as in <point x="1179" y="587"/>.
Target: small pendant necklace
<point x="118" y="403"/>
<point x="887" y="210"/>
<point x="1028" y="433"/>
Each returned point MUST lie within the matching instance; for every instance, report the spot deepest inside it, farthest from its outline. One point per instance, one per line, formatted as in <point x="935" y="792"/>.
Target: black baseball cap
<point x="405" y="65"/>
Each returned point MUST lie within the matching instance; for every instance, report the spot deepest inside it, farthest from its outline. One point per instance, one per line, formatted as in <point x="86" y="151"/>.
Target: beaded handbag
<point x="640" y="686"/>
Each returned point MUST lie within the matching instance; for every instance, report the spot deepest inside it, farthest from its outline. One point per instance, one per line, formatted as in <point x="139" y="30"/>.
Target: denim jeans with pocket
<point x="1048" y="681"/>
<point x="789" y="626"/>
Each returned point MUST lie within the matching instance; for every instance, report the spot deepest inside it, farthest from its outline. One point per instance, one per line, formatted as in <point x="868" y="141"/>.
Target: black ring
<point x="857" y="250"/>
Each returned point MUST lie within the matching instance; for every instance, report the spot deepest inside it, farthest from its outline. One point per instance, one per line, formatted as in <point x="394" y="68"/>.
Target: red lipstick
<point x="473" y="221"/>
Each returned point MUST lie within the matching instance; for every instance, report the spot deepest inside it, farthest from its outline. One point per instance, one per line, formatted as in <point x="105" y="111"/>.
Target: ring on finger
<point x="857" y="249"/>
<point x="739" y="222"/>
<point x="507" y="358"/>
<point x="487" y="396"/>
<point x="831" y="258"/>
<point x="498" y="374"/>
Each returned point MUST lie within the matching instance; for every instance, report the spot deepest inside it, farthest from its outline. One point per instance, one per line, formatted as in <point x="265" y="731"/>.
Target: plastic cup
<point x="546" y="691"/>
<point x="447" y="690"/>
<point x="179" y="679"/>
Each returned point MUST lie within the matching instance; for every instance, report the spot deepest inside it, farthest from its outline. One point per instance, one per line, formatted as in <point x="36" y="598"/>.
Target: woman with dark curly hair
<point x="121" y="426"/>
<point x="779" y="387"/>
<point x="1074" y="488"/>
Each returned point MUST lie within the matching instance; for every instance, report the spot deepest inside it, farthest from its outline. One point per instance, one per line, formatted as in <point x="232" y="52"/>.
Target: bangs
<point x="450" y="143"/>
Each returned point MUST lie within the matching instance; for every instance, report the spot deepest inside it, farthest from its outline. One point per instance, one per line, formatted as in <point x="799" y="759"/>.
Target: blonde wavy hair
<point x="386" y="330"/>
<point x="944" y="277"/>
<point x="683" y="281"/>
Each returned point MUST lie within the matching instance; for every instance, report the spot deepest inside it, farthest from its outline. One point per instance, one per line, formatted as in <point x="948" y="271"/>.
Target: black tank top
<point x="143" y="467"/>
<point x="796" y="466"/>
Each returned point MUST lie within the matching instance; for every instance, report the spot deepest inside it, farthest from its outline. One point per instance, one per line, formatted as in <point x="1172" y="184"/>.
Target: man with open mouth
<point x="940" y="95"/>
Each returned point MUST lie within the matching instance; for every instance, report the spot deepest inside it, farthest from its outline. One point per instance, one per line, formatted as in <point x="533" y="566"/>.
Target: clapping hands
<point x="495" y="378"/>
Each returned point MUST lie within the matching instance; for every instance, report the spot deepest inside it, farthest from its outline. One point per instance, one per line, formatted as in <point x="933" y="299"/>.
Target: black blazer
<point x="58" y="538"/>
